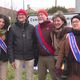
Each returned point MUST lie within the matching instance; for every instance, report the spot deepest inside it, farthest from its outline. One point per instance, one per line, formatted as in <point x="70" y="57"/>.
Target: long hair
<point x="6" y="20"/>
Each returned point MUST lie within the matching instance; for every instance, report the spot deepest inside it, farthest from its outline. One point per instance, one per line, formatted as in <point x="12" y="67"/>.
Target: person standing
<point x="59" y="24"/>
<point x="46" y="51"/>
<point x="21" y="45"/>
<point x="71" y="50"/>
<point x="4" y="23"/>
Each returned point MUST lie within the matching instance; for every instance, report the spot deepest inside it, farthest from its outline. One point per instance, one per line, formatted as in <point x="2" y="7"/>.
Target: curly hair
<point x="6" y="20"/>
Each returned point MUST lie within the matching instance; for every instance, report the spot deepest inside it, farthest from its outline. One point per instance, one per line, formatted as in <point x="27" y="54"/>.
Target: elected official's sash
<point x="74" y="47"/>
<point x="3" y="45"/>
<point x="43" y="42"/>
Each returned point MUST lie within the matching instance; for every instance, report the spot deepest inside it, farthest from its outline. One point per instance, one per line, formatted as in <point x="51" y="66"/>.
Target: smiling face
<point x="2" y="23"/>
<point x="41" y="17"/>
<point x="21" y="18"/>
<point x="57" y="22"/>
<point x="75" y="23"/>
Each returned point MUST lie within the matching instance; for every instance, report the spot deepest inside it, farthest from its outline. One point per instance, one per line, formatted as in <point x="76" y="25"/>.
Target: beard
<point x="41" y="21"/>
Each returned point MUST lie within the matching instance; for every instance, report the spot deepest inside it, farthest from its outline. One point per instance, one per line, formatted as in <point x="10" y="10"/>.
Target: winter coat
<point x="46" y="29"/>
<point x="21" y="41"/>
<point x="4" y="56"/>
<point x="72" y="65"/>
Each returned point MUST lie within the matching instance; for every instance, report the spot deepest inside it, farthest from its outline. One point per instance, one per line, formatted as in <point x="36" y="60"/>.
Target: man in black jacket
<point x="21" y="45"/>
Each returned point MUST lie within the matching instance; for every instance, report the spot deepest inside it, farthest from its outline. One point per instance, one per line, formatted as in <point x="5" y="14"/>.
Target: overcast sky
<point x="36" y="4"/>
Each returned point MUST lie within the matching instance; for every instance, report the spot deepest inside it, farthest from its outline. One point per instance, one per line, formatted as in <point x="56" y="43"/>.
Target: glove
<point x="35" y="62"/>
<point x="58" y="72"/>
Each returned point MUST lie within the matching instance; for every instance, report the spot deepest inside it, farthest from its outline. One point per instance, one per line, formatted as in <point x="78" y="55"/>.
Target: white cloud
<point x="17" y="4"/>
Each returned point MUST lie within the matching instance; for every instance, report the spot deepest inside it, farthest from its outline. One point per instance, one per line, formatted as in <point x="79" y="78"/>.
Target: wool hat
<point x="43" y="11"/>
<point x="22" y="11"/>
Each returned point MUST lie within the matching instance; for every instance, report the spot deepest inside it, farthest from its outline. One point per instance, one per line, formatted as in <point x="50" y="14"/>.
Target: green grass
<point x="10" y="74"/>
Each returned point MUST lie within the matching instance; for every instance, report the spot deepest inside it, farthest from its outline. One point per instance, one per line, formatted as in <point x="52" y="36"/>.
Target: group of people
<point x="45" y="45"/>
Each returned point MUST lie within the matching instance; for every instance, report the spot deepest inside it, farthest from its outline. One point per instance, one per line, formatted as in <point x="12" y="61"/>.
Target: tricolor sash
<point x="3" y="45"/>
<point x="43" y="42"/>
<point x="74" y="48"/>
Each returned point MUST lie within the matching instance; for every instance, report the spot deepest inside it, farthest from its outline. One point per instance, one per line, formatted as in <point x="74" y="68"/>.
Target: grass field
<point x="10" y="74"/>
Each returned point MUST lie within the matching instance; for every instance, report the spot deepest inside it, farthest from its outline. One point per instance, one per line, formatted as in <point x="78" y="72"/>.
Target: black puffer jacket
<point x="21" y="41"/>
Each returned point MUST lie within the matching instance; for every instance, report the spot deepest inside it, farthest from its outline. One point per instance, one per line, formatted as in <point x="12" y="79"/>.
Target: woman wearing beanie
<point x="4" y="23"/>
<point x="46" y="52"/>
<point x="71" y="50"/>
<point x="21" y="46"/>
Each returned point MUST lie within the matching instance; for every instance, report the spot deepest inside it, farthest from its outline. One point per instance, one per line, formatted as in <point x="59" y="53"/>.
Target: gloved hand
<point x="58" y="72"/>
<point x="35" y="62"/>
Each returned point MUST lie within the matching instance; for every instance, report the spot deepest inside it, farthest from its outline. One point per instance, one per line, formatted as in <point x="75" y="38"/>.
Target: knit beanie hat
<point x="43" y="11"/>
<point x="22" y="11"/>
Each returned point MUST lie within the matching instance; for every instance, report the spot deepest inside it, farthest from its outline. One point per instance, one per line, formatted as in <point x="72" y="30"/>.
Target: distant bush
<point x="55" y="9"/>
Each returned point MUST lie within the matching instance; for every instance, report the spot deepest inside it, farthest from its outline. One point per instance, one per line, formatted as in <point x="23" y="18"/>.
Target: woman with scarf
<point x="70" y="49"/>
<point x="4" y="23"/>
<point x="57" y="35"/>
